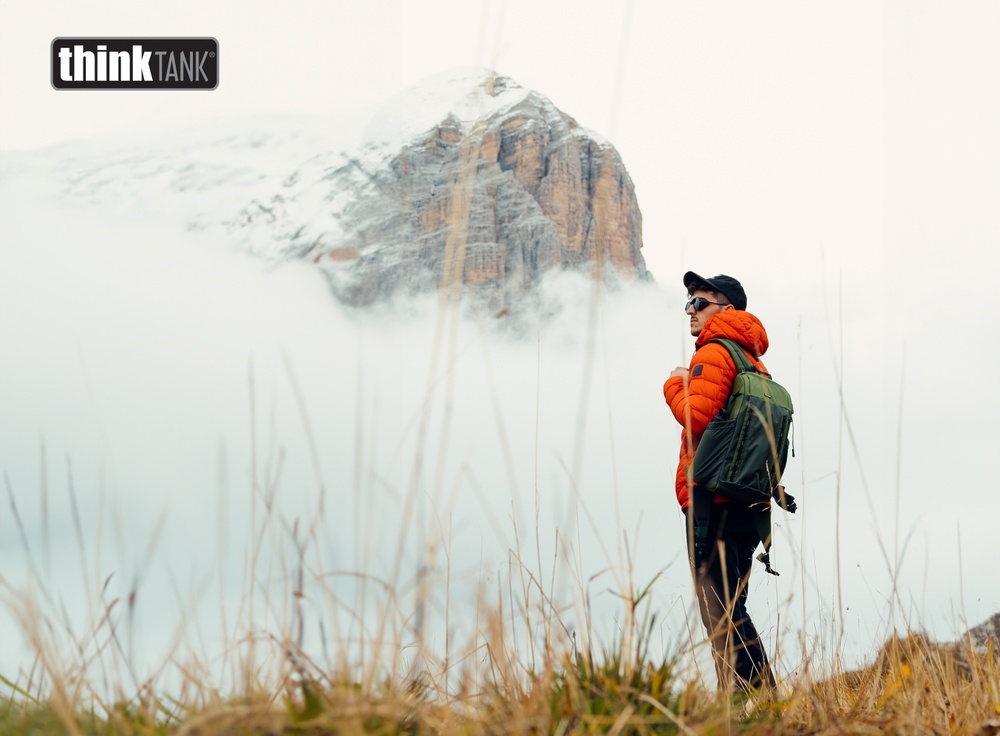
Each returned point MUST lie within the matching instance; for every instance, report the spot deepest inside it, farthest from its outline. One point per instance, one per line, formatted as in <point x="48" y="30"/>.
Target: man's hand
<point x="680" y="372"/>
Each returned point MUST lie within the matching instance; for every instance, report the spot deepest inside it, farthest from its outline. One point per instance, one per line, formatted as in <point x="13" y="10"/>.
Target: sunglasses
<point x="699" y="303"/>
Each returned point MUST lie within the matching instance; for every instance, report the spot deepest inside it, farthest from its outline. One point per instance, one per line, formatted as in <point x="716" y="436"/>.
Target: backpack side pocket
<point x="711" y="459"/>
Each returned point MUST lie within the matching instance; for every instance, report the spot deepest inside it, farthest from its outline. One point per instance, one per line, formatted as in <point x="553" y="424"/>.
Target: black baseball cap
<point x="726" y="285"/>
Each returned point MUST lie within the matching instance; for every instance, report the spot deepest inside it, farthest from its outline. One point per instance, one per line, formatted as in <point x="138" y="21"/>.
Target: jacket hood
<point x="737" y="325"/>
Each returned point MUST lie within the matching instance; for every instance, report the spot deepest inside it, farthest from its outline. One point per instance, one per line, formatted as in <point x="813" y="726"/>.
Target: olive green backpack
<point x="743" y="451"/>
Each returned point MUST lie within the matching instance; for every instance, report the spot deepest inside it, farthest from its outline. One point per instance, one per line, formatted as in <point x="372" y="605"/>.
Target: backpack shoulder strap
<point x="743" y="365"/>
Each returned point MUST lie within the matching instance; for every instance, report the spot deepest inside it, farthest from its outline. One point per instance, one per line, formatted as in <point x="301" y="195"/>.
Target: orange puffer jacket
<point x="712" y="372"/>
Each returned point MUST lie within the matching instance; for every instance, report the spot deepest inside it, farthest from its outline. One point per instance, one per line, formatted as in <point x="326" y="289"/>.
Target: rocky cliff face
<point x="467" y="183"/>
<point x="486" y="200"/>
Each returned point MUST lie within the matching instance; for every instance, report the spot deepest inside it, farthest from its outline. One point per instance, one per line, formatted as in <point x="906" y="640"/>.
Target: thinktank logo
<point x="135" y="63"/>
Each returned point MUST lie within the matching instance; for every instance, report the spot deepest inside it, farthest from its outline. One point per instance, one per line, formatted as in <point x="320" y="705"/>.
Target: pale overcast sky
<point x="837" y="122"/>
<point x="792" y="122"/>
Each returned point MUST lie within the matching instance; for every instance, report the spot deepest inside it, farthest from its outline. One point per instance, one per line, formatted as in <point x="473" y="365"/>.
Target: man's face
<point x="698" y="319"/>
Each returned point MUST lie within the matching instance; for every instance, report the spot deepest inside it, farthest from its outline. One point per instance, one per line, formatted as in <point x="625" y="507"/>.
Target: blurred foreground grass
<point x="913" y="686"/>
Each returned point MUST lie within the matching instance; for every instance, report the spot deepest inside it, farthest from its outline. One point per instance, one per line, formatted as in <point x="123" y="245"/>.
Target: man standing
<point x="720" y="561"/>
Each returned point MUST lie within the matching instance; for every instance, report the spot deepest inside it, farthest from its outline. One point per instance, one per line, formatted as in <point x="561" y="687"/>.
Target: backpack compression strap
<point x="763" y="523"/>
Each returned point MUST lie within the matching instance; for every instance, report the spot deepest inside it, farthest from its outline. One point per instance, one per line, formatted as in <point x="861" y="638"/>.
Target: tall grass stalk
<point x="533" y="662"/>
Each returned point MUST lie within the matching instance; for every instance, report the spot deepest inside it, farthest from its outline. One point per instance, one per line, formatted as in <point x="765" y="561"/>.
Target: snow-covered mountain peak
<point x="379" y="197"/>
<point x="466" y="94"/>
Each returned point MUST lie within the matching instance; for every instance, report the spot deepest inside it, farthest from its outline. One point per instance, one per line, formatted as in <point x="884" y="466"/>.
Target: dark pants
<point x="721" y="581"/>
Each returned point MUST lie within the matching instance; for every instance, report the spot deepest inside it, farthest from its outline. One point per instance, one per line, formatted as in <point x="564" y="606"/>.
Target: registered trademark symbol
<point x="212" y="54"/>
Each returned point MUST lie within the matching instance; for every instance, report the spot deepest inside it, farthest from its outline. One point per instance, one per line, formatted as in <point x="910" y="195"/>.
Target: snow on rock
<point x="466" y="176"/>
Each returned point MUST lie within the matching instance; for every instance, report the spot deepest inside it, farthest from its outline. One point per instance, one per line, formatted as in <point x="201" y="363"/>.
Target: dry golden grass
<point x="521" y="672"/>
<point x="913" y="686"/>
